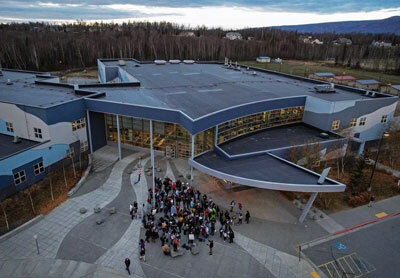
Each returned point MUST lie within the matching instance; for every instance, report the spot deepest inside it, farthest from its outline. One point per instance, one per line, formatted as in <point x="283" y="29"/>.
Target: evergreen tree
<point x="358" y="180"/>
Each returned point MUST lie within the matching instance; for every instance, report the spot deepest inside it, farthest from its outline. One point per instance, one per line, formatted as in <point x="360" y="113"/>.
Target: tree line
<point x="46" y="47"/>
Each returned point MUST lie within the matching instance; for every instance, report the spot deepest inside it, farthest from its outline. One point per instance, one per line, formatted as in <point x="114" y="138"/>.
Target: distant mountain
<point x="388" y="25"/>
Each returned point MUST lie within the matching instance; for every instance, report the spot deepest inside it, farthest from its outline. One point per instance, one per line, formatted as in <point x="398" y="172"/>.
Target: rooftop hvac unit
<point x="122" y="62"/>
<point x="326" y="88"/>
<point x="160" y="62"/>
<point x="188" y="61"/>
<point x="226" y="61"/>
<point x="174" y="61"/>
<point x="9" y="82"/>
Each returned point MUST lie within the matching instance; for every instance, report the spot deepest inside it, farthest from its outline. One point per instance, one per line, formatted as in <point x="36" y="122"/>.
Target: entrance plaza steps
<point x="49" y="268"/>
<point x="104" y="157"/>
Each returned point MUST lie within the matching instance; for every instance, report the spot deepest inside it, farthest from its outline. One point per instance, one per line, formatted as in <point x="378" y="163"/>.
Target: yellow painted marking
<point x="381" y="214"/>
<point x="338" y="273"/>
<point x="315" y="275"/>
<point x="349" y="266"/>
<point x="327" y="268"/>
<point x="356" y="265"/>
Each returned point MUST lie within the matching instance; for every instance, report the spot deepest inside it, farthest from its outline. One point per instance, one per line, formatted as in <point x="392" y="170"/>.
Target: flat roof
<point x="200" y="89"/>
<point x="24" y="91"/>
<point x="8" y="148"/>
<point x="368" y="81"/>
<point x="274" y="138"/>
<point x="262" y="168"/>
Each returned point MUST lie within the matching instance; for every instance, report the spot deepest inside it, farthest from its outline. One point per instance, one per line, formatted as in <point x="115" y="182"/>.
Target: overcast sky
<point x="212" y="13"/>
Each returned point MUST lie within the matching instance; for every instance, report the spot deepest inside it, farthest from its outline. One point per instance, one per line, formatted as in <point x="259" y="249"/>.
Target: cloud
<point x="67" y="10"/>
<point x="318" y="6"/>
<point x="212" y="13"/>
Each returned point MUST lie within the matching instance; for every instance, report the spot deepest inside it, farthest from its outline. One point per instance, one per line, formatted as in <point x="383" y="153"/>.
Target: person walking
<point x="127" y="264"/>
<point x="211" y="245"/>
<point x="240" y="219"/>
<point x="371" y="200"/>
<point x="247" y="217"/>
<point x="232" y="205"/>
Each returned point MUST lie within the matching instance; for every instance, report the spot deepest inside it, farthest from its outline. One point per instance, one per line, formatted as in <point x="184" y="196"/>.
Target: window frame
<point x="384" y="119"/>
<point x="38" y="168"/>
<point x="78" y="124"/>
<point x="38" y="132"/>
<point x="19" y="177"/>
<point x="84" y="146"/>
<point x="10" y="127"/>
<point x="71" y="152"/>
<point x="335" y="125"/>
<point x="353" y="122"/>
<point x="363" y="121"/>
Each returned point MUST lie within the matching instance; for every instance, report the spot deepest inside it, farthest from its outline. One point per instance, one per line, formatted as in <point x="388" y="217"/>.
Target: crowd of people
<point x="177" y="213"/>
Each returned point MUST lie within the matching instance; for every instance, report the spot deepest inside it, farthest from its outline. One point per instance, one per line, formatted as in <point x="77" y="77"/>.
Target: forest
<point x="49" y="47"/>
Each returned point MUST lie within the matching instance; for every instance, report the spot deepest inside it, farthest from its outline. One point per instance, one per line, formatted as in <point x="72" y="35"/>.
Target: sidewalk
<point x="359" y="215"/>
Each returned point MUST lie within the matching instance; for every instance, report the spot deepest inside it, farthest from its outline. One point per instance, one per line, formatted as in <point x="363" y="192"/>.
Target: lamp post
<point x="37" y="244"/>
<point x="384" y="134"/>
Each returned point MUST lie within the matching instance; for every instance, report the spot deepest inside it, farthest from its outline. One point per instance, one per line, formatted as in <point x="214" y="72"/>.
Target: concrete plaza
<point x="73" y="245"/>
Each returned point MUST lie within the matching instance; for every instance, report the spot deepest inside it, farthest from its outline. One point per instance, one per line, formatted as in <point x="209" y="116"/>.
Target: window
<point x="78" y="124"/>
<point x="38" y="168"/>
<point x="84" y="146"/>
<point x="363" y="120"/>
<point x="38" y="132"/>
<point x="19" y="177"/>
<point x="335" y="125"/>
<point x="353" y="122"/>
<point x="384" y="119"/>
<point x="70" y="152"/>
<point x="9" y="127"/>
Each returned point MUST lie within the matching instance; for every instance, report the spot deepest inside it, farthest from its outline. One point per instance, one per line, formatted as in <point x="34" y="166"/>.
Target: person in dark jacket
<point x="247" y="217"/>
<point x="211" y="245"/>
<point x="127" y="264"/>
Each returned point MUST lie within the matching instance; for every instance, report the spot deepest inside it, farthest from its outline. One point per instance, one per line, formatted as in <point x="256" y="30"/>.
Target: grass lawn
<point x="303" y="68"/>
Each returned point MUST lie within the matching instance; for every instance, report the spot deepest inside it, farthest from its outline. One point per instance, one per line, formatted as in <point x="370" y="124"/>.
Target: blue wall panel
<point x="3" y="128"/>
<point x="50" y="155"/>
<point x="98" y="130"/>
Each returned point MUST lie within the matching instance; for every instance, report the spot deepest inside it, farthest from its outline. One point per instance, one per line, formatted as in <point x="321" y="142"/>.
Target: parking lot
<point x="372" y="251"/>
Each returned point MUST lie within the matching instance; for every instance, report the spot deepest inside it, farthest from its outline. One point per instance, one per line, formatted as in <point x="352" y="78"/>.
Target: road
<point x="372" y="251"/>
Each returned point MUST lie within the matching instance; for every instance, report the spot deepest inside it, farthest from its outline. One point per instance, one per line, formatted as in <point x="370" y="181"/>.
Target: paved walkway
<point x="127" y="245"/>
<point x="54" y="227"/>
<point x="279" y="263"/>
<point x="50" y="268"/>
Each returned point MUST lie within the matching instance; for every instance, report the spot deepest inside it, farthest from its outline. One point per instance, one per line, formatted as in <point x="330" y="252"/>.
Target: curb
<point x="83" y="178"/>
<point x="337" y="234"/>
<point x="24" y="226"/>
<point x="365" y="224"/>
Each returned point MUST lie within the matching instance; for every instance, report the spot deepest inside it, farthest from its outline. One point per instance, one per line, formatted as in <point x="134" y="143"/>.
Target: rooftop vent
<point x="326" y="88"/>
<point x="254" y="73"/>
<point x="122" y="62"/>
<point x="174" y="61"/>
<point x="9" y="82"/>
<point x="188" y="61"/>
<point x="160" y="62"/>
<point x="16" y="140"/>
<point x="324" y="135"/>
<point x="370" y="94"/>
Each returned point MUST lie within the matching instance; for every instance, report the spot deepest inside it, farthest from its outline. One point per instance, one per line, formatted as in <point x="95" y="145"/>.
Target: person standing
<point x="127" y="264"/>
<point x="240" y="219"/>
<point x="211" y="245"/>
<point x="371" y="200"/>
<point x="232" y="205"/>
<point x="247" y="217"/>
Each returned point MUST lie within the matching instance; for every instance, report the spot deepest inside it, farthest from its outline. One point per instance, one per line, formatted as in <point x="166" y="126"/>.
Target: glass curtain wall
<point x="167" y="137"/>
<point x="259" y="121"/>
